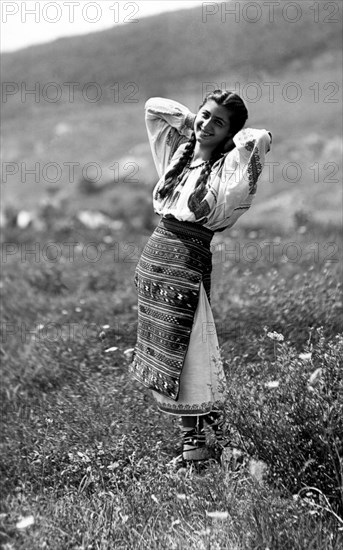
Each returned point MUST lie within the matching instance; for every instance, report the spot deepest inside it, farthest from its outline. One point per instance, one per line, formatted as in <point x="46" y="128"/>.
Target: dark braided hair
<point x="170" y="178"/>
<point x="238" y="116"/>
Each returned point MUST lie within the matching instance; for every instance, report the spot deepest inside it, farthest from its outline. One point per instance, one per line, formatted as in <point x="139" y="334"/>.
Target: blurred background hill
<point x="90" y="142"/>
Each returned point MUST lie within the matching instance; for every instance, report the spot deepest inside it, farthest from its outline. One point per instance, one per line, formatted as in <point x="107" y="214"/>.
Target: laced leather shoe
<point x="194" y="445"/>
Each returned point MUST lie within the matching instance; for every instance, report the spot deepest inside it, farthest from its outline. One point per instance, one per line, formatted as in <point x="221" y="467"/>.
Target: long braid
<point x="170" y="179"/>
<point x="200" y="185"/>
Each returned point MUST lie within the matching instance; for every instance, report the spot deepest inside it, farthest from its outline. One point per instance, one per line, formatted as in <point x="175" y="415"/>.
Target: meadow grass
<point x="85" y="453"/>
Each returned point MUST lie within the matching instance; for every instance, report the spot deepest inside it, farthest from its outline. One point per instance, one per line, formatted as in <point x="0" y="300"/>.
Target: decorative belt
<point x="187" y="228"/>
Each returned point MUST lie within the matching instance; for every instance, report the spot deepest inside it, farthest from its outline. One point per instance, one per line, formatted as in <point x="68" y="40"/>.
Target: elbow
<point x="152" y="108"/>
<point x="148" y="104"/>
<point x="152" y="102"/>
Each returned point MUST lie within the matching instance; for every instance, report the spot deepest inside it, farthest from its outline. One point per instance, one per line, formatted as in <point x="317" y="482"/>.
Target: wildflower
<point x="217" y="515"/>
<point x="272" y="384"/>
<point x="25" y="522"/>
<point x="113" y="466"/>
<point x="257" y="469"/>
<point x="315" y="377"/>
<point x="275" y="336"/>
<point x="305" y="356"/>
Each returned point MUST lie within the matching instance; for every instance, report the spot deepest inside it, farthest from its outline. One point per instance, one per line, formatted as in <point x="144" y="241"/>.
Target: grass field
<point x="85" y="453"/>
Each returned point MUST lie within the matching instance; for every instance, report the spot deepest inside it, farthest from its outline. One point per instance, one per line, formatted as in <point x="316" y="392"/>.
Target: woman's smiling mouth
<point x="205" y="134"/>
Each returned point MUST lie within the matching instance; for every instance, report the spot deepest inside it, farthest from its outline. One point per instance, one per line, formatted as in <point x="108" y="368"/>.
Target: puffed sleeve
<point x="168" y="124"/>
<point x="241" y="171"/>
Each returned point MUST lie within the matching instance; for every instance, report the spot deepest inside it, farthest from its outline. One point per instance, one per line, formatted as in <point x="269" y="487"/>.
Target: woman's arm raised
<point x="241" y="171"/>
<point x="169" y="124"/>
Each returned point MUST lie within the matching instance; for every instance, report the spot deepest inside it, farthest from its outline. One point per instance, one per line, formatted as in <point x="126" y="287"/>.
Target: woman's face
<point x="212" y="125"/>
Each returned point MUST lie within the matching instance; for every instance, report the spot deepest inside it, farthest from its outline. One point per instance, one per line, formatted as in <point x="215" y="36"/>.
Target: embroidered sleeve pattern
<point x="241" y="172"/>
<point x="254" y="171"/>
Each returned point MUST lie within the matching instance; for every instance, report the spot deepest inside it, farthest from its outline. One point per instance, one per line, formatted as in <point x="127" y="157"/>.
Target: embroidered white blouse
<point x="231" y="185"/>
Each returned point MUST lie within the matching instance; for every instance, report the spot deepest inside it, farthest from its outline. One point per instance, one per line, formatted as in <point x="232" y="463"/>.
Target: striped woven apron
<point x="176" y="258"/>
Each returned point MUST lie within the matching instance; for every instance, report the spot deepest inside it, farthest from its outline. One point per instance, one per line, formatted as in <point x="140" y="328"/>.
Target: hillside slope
<point x="158" y="50"/>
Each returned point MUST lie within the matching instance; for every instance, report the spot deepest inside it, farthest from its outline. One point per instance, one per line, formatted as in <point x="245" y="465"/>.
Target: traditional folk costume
<point x="177" y="353"/>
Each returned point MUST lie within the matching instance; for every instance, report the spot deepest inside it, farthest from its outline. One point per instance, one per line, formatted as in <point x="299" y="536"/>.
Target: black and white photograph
<point x="171" y="275"/>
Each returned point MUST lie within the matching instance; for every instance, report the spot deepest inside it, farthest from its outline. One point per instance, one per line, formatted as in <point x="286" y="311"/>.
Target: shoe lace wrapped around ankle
<point x="193" y="439"/>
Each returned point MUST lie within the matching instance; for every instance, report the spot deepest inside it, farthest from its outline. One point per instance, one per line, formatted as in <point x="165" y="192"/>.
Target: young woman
<point x="208" y="168"/>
